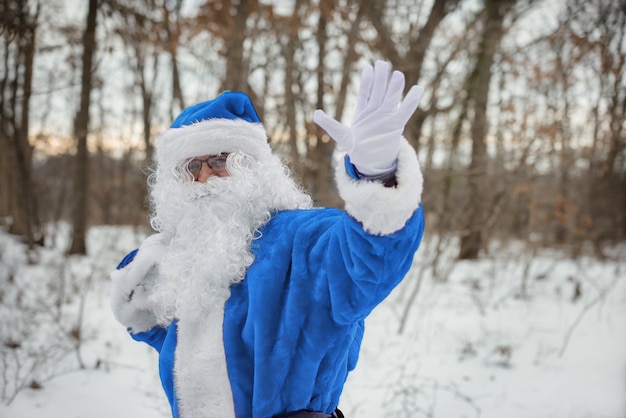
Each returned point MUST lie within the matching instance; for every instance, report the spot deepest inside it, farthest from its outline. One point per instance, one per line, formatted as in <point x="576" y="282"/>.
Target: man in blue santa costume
<point x="254" y="299"/>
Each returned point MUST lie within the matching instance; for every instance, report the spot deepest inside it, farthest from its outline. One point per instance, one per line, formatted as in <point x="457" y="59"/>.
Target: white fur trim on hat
<point x="211" y="137"/>
<point x="384" y="210"/>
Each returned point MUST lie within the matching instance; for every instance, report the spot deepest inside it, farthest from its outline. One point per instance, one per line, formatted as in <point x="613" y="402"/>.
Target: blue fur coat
<point x="293" y="327"/>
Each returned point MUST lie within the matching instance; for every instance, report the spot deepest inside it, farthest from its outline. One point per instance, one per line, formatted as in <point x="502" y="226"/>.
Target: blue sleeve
<point x="388" y="179"/>
<point x="164" y="341"/>
<point x="154" y="337"/>
<point x="362" y="269"/>
<point x="127" y="260"/>
<point x="350" y="168"/>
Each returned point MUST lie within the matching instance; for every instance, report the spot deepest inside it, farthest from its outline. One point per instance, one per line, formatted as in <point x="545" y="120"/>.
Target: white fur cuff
<point x="126" y="304"/>
<point x="132" y="285"/>
<point x="384" y="210"/>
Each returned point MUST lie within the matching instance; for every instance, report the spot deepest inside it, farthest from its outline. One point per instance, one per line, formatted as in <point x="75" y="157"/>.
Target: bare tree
<point x="597" y="31"/>
<point x="479" y="86"/>
<point x="291" y="26"/>
<point x="171" y="20"/>
<point x="18" y="203"/>
<point x="321" y="153"/>
<point x="237" y="68"/>
<point x="337" y="31"/>
<point x="228" y="21"/>
<point x="81" y="129"/>
<point x="412" y="61"/>
<point x="139" y="28"/>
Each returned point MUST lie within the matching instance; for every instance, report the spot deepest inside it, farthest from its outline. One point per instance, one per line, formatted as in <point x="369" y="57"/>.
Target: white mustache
<point x="213" y="187"/>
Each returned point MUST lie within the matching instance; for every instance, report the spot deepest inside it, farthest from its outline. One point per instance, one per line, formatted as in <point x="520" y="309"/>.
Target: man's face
<point x="221" y="185"/>
<point x="204" y="167"/>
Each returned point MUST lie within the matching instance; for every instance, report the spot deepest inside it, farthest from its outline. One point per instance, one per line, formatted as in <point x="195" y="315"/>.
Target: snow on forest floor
<point x="485" y="342"/>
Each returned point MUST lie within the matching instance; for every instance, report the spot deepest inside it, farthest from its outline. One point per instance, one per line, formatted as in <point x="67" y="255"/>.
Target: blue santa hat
<point x="227" y="123"/>
<point x="228" y="105"/>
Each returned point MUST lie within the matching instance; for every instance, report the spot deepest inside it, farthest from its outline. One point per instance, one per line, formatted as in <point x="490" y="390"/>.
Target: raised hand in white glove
<point x="373" y="140"/>
<point x="132" y="285"/>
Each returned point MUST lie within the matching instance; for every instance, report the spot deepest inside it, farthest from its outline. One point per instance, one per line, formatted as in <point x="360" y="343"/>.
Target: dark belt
<point x="309" y="414"/>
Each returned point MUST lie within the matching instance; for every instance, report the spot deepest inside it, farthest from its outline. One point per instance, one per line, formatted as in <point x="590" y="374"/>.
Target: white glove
<point x="373" y="140"/>
<point x="132" y="285"/>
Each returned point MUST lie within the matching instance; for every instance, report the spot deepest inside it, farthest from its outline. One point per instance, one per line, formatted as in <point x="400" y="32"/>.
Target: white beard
<point x="211" y="226"/>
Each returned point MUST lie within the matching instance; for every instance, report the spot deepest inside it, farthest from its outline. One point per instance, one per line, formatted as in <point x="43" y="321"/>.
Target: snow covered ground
<point x="483" y="343"/>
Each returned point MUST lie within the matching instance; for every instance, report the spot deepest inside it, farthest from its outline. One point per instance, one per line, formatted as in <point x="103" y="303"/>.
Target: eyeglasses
<point x="214" y="162"/>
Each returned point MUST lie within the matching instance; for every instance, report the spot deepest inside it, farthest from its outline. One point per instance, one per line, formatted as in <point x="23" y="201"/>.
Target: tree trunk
<point x="415" y="59"/>
<point x="19" y="209"/>
<point x="236" y="72"/>
<point x="79" y="216"/>
<point x="351" y="57"/>
<point x="290" y="83"/>
<point x="171" y="41"/>
<point x="146" y="101"/>
<point x="472" y="238"/>
<point x="323" y="187"/>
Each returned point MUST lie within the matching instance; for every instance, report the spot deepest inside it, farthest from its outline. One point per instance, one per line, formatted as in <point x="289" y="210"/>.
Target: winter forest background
<point x="516" y="304"/>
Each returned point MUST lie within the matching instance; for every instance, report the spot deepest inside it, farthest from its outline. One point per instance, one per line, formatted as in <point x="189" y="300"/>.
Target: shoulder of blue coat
<point x="287" y="225"/>
<point x="301" y="215"/>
